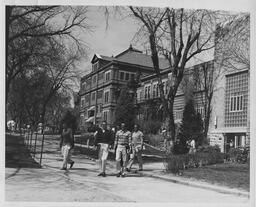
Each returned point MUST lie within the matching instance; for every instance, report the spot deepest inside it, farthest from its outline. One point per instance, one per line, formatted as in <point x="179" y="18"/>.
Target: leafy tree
<point x="125" y="110"/>
<point x="191" y="125"/>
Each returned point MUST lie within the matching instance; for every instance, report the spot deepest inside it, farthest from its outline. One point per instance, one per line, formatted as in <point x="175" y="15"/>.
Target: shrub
<point x="180" y="148"/>
<point x="208" y="149"/>
<point x="175" y="163"/>
<point x="150" y="126"/>
<point x="239" y="154"/>
<point x="154" y="140"/>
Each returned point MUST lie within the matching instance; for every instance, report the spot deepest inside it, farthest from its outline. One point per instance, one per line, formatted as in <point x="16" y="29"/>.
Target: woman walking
<point x="66" y="144"/>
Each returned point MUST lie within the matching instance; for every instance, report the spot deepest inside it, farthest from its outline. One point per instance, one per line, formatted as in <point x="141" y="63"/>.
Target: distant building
<point x="100" y="88"/>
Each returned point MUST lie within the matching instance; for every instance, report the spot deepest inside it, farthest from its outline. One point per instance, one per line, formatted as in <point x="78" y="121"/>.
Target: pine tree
<point x="191" y="126"/>
<point x="125" y="110"/>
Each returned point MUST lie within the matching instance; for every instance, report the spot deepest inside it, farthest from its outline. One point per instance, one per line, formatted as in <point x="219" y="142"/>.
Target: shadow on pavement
<point x="16" y="153"/>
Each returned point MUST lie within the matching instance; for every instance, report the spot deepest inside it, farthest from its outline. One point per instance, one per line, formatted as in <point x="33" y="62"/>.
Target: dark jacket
<point x="106" y="137"/>
<point x="67" y="137"/>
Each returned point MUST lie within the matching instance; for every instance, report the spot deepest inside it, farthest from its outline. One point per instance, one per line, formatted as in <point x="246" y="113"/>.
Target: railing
<point x="34" y="142"/>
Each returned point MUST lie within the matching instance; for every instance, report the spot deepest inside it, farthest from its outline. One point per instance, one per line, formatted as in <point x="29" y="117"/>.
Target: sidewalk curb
<point x="202" y="186"/>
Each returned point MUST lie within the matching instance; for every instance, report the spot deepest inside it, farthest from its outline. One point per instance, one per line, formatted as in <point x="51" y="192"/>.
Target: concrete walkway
<point x="82" y="184"/>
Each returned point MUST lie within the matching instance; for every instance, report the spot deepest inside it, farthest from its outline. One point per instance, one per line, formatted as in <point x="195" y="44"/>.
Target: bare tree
<point x="232" y="54"/>
<point x="28" y="27"/>
<point x="233" y="43"/>
<point x="179" y="35"/>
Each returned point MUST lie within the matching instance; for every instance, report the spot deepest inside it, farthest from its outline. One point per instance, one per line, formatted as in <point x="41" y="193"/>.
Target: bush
<point x="150" y="126"/>
<point x="180" y="148"/>
<point x="208" y="149"/>
<point x="239" y="155"/>
<point x="154" y="140"/>
<point x="175" y="163"/>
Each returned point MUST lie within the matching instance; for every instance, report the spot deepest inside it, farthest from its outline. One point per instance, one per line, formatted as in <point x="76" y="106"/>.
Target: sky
<point x="109" y="41"/>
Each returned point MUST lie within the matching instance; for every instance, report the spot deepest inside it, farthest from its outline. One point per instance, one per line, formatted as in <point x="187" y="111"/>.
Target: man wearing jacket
<point x="103" y="138"/>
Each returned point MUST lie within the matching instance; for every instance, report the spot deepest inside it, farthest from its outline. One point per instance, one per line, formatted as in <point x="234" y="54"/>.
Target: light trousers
<point x="136" y="152"/>
<point x="66" y="153"/>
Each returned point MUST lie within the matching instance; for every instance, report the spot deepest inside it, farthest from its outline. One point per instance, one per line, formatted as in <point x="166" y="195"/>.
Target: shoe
<point x="63" y="168"/>
<point x="140" y="169"/>
<point x="118" y="174"/>
<point x="71" y="164"/>
<point x="122" y="175"/>
<point x="128" y="169"/>
<point x="103" y="174"/>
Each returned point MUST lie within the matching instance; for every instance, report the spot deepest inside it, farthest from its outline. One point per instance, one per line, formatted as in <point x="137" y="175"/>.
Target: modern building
<point x="230" y="111"/>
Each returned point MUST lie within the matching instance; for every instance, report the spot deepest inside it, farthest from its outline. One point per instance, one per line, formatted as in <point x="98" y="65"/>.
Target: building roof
<point x="136" y="57"/>
<point x="132" y="56"/>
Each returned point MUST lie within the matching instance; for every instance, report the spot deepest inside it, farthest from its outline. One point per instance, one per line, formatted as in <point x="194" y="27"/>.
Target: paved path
<point x="82" y="184"/>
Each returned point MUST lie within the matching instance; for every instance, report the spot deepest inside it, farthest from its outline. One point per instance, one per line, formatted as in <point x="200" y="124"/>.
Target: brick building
<point x="100" y="88"/>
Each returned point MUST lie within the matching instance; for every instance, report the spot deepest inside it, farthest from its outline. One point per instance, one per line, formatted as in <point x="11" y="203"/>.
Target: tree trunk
<point x="171" y="123"/>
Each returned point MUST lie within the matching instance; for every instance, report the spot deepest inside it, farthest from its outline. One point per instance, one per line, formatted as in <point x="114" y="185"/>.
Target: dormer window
<point x="95" y="66"/>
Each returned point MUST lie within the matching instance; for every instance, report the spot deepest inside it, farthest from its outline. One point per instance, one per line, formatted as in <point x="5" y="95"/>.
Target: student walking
<point x="66" y="144"/>
<point x="122" y="145"/>
<point x="104" y="138"/>
<point x="137" y="143"/>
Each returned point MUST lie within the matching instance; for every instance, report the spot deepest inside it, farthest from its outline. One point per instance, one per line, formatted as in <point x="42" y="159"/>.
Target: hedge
<point x="175" y="163"/>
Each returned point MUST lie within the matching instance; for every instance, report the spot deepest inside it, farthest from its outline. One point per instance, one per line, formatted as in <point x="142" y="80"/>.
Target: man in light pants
<point x="122" y="144"/>
<point x="66" y="144"/>
<point x="103" y="138"/>
<point x="137" y="143"/>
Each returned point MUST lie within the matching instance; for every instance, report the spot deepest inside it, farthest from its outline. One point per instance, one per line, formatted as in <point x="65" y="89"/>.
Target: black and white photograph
<point x="132" y="102"/>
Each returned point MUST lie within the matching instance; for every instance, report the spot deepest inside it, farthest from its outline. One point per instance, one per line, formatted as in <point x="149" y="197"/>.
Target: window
<point x="95" y="66"/>
<point x="94" y="78"/>
<point x="93" y="96"/>
<point x="85" y="114"/>
<point x="141" y="94"/>
<point x="98" y="108"/>
<point x="155" y="91"/>
<point x="81" y="118"/>
<point x="179" y="114"/>
<point x="106" y="97"/>
<point x="127" y="75"/>
<point x="164" y="85"/>
<point x="236" y="103"/>
<point x="105" y="115"/>
<point x="82" y="102"/>
<point x="100" y="76"/>
<point x="87" y="97"/>
<point x="99" y="94"/>
<point x="132" y="76"/>
<point x="200" y="110"/>
<point x="121" y="75"/>
<point x="146" y="92"/>
<point x="107" y="76"/>
<point x="149" y="91"/>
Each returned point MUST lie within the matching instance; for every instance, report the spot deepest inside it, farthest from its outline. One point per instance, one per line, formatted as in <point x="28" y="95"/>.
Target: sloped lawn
<point x="233" y="175"/>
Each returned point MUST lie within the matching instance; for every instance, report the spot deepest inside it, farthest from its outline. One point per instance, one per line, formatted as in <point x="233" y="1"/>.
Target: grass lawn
<point x="229" y="174"/>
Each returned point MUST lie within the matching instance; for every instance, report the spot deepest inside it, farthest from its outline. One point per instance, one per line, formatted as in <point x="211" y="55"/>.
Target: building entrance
<point x="234" y="140"/>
